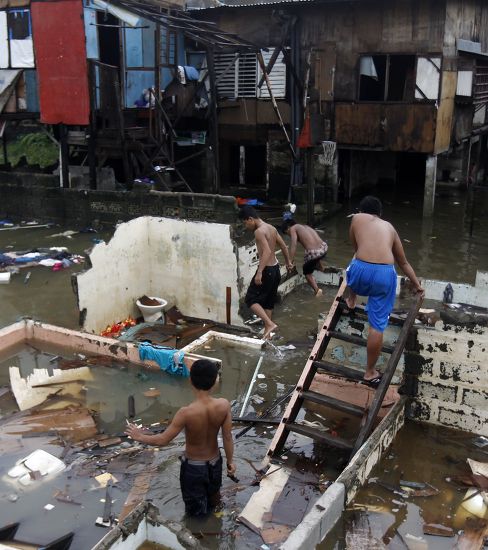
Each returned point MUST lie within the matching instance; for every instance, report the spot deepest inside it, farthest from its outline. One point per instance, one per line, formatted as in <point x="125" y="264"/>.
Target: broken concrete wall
<point x="448" y="379"/>
<point x="189" y="264"/>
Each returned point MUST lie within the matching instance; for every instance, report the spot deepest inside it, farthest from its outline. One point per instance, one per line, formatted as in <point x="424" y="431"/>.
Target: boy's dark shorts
<point x="312" y="265"/>
<point x="200" y="482"/>
<point x="264" y="294"/>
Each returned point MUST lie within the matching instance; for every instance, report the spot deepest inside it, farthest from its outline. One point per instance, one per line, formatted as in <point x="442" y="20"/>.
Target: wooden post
<point x="228" y="302"/>
<point x="310" y="187"/>
<point x="214" y="122"/>
<point x="4" y="143"/>
<point x="92" y="138"/>
<point x="64" y="155"/>
<point x="275" y="105"/>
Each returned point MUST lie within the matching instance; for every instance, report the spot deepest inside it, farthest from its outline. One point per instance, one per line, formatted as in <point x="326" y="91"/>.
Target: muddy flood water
<point x="439" y="248"/>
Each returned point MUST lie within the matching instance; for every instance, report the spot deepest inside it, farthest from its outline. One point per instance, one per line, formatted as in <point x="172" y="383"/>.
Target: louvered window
<point x="242" y="78"/>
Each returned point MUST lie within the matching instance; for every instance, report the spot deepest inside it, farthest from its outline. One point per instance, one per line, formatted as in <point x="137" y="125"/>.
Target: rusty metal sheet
<point x="59" y="44"/>
<point x="388" y="126"/>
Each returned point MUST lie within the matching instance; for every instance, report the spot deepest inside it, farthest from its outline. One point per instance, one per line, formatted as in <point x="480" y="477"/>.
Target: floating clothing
<point x="169" y="359"/>
<point x="264" y="294"/>
<point x="378" y="282"/>
<point x="312" y="257"/>
<point x="200" y="482"/>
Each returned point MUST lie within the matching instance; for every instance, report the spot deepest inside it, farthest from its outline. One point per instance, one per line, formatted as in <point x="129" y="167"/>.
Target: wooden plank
<point x="322" y="437"/>
<point x="338" y="370"/>
<point x="332" y="403"/>
<point x="353" y="339"/>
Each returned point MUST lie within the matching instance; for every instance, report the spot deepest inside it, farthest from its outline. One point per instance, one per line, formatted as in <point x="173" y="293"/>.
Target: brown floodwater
<point x="438" y="248"/>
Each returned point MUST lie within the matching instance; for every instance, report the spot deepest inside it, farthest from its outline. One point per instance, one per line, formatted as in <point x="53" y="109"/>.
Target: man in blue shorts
<point x="372" y="273"/>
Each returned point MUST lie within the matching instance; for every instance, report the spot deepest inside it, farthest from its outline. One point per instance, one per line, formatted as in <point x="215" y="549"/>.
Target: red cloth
<point x="305" y="137"/>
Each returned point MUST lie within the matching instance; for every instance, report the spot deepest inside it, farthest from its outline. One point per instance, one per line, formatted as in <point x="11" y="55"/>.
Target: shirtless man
<point x="262" y="292"/>
<point x="201" y="464"/>
<point x="315" y="249"/>
<point x="372" y="273"/>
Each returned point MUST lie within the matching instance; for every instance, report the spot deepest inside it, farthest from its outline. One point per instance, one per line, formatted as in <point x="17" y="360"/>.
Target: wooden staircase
<point x="315" y="364"/>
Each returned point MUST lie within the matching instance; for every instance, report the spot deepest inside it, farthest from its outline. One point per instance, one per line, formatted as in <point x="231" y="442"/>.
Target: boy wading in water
<point x="372" y="273"/>
<point x="262" y="292"/>
<point x="315" y="249"/>
<point x="201" y="464"/>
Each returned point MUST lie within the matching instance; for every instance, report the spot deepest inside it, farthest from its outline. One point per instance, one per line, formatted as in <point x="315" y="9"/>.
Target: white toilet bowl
<point x="152" y="313"/>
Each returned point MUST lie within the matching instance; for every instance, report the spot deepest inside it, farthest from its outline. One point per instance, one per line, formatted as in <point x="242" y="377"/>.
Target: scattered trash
<point x="261" y="376"/>
<point x="13" y="497"/>
<point x="481" y="441"/>
<point x="38" y="461"/>
<point x="412" y="484"/>
<point x="438" y="530"/>
<point x="69" y="234"/>
<point x="115" y="330"/>
<point x="103" y="479"/>
<point x="5" y="278"/>
<point x="152" y="392"/>
<point x="286" y="347"/>
<point x="49" y="507"/>
<point x="448" y="294"/>
<point x="38" y="386"/>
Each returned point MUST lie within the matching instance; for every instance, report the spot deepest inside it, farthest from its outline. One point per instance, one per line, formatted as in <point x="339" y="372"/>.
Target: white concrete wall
<point x="452" y="385"/>
<point x="192" y="264"/>
<point x="118" y="277"/>
<point x="189" y="264"/>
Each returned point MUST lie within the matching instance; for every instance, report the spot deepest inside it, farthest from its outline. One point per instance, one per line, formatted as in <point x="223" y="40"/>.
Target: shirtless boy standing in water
<point x="372" y="273"/>
<point x="262" y="292"/>
<point x="201" y="464"/>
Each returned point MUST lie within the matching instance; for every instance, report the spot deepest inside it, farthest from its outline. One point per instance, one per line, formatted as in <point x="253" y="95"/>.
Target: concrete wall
<point x="25" y="196"/>
<point x="189" y="264"/>
<point x="448" y="379"/>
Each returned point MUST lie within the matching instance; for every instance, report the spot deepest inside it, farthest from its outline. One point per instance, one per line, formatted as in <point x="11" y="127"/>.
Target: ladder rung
<point x="321" y="436"/>
<point x="338" y="370"/>
<point x="337" y="404"/>
<point x="361" y="312"/>
<point x="356" y="340"/>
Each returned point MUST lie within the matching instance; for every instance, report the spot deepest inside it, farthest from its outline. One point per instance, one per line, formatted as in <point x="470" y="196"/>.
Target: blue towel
<point x="164" y="357"/>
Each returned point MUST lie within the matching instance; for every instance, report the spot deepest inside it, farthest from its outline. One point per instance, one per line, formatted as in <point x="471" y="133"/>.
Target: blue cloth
<point x="191" y="73"/>
<point x="377" y="282"/>
<point x="165" y="358"/>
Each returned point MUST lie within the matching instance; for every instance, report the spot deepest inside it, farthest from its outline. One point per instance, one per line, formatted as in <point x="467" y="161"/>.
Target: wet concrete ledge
<point x="330" y="506"/>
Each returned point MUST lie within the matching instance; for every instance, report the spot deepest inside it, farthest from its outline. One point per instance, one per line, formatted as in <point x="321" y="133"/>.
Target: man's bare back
<point x="266" y="234"/>
<point x="307" y="236"/>
<point x="373" y="239"/>
<point x="203" y="420"/>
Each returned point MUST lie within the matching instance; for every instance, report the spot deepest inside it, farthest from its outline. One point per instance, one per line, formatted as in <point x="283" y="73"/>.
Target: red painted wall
<point x="59" y="45"/>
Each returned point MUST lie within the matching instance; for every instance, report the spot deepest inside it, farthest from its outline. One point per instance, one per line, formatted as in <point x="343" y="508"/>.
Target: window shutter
<point x="227" y="85"/>
<point x="277" y="76"/>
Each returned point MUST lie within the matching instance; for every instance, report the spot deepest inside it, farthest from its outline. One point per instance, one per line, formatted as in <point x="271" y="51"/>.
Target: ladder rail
<point x="388" y="374"/>
<point x="307" y="375"/>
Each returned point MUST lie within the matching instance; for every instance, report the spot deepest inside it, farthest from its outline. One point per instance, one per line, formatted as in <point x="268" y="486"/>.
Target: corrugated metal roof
<point x="211" y="4"/>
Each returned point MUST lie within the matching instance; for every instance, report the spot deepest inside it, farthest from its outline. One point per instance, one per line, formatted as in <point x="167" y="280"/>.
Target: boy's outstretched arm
<point x="177" y="425"/>
<point x="228" y="442"/>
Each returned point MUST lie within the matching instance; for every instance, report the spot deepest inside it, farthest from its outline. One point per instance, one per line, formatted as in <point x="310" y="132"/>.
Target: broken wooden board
<point x="473" y="536"/>
<point x="261" y="502"/>
<point x="72" y="423"/>
<point x="438" y="530"/>
<point x="352" y="392"/>
<point x="140" y="487"/>
<point x="28" y="395"/>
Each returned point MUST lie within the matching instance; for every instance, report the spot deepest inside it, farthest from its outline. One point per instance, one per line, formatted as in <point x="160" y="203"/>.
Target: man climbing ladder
<point x="372" y="273"/>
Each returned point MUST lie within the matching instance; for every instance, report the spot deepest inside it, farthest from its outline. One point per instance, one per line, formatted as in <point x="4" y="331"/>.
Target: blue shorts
<point x="378" y="282"/>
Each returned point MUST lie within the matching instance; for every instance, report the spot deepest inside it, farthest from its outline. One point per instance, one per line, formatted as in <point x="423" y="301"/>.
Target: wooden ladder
<point x="314" y="364"/>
